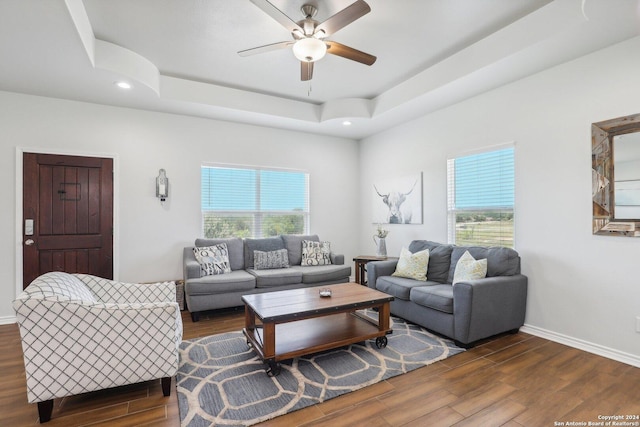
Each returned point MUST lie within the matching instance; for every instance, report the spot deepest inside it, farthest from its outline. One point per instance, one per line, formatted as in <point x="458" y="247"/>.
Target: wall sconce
<point x="162" y="185"/>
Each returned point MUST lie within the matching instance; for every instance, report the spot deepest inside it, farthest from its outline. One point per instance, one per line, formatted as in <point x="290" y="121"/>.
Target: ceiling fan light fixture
<point x="320" y="34"/>
<point x="309" y="49"/>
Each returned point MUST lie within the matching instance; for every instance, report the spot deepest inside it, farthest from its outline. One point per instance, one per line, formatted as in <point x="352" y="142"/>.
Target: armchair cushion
<point x="60" y="287"/>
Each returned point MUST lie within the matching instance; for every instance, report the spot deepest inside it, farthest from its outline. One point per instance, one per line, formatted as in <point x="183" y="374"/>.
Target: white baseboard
<point x="7" y="320"/>
<point x="587" y="346"/>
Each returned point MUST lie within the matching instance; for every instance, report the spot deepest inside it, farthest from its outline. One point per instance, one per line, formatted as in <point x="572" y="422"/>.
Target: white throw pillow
<point x="213" y="259"/>
<point x="316" y="253"/>
<point x="468" y="268"/>
<point x="412" y="266"/>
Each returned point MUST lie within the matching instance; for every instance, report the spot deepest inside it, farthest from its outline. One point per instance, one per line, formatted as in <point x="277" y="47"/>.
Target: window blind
<point x="244" y="202"/>
<point x="481" y="198"/>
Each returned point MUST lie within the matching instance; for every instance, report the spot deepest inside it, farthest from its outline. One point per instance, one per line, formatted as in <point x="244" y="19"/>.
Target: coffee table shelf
<point x="305" y="323"/>
<point x="317" y="334"/>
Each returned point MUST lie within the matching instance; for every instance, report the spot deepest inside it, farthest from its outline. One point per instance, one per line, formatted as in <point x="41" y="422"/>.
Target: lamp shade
<point x="309" y="49"/>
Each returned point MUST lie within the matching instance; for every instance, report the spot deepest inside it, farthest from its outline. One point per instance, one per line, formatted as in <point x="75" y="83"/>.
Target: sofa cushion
<point x="439" y="259"/>
<point x="293" y="243"/>
<point x="437" y="297"/>
<point x="272" y="259"/>
<point x="399" y="287"/>
<point x="238" y="280"/>
<point x="213" y="259"/>
<point x="468" y="268"/>
<point x="276" y="277"/>
<point x="316" y="253"/>
<point x="500" y="261"/>
<point x="266" y="244"/>
<point x="324" y="273"/>
<point x="235" y="248"/>
<point x="412" y="266"/>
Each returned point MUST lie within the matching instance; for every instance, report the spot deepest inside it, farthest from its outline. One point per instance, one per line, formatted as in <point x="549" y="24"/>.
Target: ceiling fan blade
<point x="306" y="71"/>
<point x="339" y="49"/>
<point x="345" y="17"/>
<point x="277" y="14"/>
<point x="265" y="48"/>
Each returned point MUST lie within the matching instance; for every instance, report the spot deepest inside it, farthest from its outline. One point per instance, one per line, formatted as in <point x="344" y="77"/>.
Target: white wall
<point x="150" y="237"/>
<point x="583" y="289"/>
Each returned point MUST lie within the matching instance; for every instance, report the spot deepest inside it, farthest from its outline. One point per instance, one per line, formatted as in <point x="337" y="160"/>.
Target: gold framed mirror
<point x="615" y="160"/>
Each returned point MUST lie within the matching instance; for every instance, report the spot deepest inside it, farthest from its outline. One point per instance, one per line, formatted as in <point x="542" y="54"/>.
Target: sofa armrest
<point x="377" y="269"/>
<point x="190" y="265"/>
<point x="337" y="259"/>
<point x="488" y="306"/>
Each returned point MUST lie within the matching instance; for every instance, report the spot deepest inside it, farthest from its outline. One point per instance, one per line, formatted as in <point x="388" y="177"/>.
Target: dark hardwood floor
<point x="510" y="380"/>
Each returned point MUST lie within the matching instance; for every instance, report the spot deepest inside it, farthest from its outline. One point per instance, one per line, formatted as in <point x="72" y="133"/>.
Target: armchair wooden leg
<point x="44" y="410"/>
<point x="195" y="316"/>
<point x="166" y="386"/>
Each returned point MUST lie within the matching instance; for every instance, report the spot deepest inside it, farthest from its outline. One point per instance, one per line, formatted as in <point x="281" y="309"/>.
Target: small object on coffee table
<point x="325" y="292"/>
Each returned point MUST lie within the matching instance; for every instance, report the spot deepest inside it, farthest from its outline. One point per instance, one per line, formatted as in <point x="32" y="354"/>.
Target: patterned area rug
<point x="222" y="382"/>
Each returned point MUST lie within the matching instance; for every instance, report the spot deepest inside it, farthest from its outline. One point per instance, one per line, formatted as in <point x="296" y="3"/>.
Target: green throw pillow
<point x="468" y="268"/>
<point x="412" y="266"/>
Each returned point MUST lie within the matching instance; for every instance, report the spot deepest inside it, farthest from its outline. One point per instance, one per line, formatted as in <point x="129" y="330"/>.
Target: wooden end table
<point x="361" y="266"/>
<point x="286" y="324"/>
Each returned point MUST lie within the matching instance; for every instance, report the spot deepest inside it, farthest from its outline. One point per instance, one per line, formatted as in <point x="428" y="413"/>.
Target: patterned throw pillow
<point x="468" y="268"/>
<point x="213" y="259"/>
<point x="315" y="253"/>
<point x="273" y="259"/>
<point x="412" y="266"/>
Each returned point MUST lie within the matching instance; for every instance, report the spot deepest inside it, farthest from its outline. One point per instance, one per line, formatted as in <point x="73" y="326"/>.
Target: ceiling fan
<point x="309" y="36"/>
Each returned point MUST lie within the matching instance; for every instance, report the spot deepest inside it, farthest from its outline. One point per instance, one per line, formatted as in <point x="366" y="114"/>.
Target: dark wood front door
<point x="68" y="215"/>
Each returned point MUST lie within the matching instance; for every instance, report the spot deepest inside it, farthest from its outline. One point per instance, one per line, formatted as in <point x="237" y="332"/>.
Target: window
<point x="243" y="202"/>
<point x="480" y="190"/>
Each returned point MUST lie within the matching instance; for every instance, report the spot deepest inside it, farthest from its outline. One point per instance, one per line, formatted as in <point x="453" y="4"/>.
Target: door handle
<point x="29" y="242"/>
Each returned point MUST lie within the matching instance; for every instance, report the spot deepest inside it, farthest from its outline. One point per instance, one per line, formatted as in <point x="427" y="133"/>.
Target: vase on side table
<point x="381" y="246"/>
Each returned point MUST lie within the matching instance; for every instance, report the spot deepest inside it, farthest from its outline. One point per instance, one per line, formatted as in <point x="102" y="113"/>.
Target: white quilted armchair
<point x="82" y="333"/>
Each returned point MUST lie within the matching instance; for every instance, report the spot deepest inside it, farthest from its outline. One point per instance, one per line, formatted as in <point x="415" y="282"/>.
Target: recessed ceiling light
<point x="346" y="123"/>
<point x="123" y="85"/>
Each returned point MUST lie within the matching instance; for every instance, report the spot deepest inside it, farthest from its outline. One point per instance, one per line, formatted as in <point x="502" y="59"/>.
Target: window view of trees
<point x="283" y="224"/>
<point x="217" y="226"/>
<point x="484" y="228"/>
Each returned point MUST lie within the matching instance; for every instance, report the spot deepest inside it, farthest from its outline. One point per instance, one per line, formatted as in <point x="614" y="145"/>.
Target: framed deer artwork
<point x="398" y="200"/>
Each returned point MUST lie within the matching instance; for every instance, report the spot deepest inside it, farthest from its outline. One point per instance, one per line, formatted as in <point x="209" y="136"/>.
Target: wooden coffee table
<point x="285" y="324"/>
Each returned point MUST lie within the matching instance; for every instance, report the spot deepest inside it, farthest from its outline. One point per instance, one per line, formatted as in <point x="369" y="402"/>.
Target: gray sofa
<point x="226" y="290"/>
<point x="467" y="311"/>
